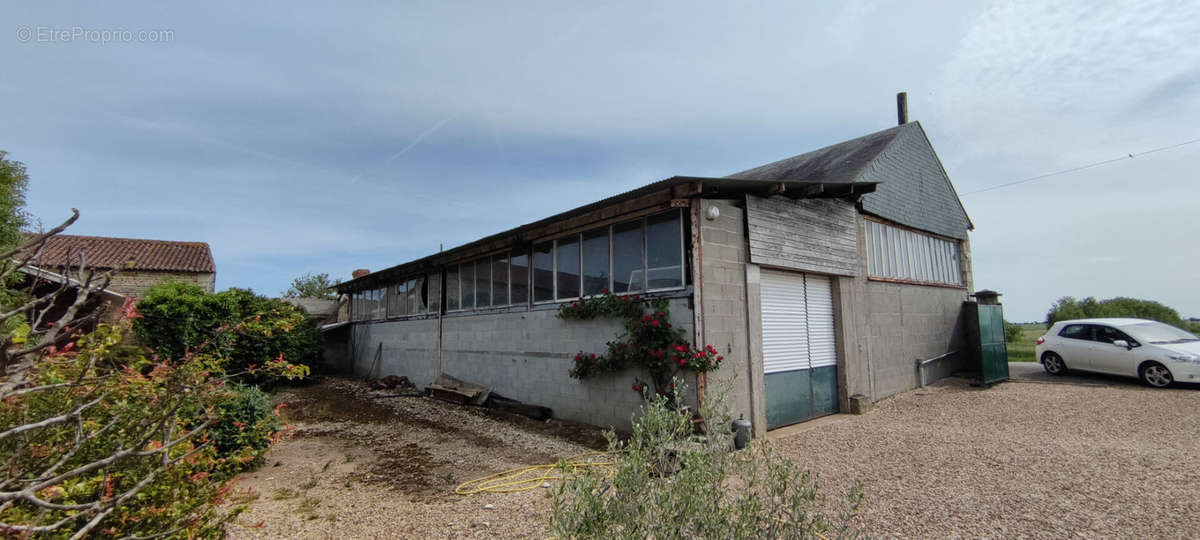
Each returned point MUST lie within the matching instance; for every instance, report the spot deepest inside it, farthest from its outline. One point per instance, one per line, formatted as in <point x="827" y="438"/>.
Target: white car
<point x="1157" y="353"/>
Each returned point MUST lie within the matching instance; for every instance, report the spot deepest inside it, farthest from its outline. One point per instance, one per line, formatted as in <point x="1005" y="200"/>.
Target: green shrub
<point x="1012" y="332"/>
<point x="247" y="423"/>
<point x="1067" y="308"/>
<point x="667" y="482"/>
<point x="179" y="317"/>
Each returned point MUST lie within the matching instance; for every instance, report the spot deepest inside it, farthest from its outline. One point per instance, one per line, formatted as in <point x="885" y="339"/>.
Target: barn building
<point x="820" y="278"/>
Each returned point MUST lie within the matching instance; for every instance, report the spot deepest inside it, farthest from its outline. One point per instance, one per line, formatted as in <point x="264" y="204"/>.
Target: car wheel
<point x="1156" y="375"/>
<point x="1054" y="363"/>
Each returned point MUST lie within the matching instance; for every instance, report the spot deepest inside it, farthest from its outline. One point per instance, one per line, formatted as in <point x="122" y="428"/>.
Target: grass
<point x="1021" y="350"/>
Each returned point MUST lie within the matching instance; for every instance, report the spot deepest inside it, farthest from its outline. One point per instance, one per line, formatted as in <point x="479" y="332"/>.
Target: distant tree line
<point x="1067" y="308"/>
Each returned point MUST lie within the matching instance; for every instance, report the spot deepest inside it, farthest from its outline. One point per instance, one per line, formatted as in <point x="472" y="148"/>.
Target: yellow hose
<point x="533" y="476"/>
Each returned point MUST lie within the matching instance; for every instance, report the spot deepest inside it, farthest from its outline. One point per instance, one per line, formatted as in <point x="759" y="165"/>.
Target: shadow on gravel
<point x="1034" y="372"/>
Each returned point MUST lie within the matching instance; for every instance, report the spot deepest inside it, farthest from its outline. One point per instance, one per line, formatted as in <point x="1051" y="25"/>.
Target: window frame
<point x="646" y="255"/>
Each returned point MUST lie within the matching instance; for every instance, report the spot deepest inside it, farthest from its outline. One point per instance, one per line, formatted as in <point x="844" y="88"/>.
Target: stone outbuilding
<point x="818" y="277"/>
<point x="144" y="263"/>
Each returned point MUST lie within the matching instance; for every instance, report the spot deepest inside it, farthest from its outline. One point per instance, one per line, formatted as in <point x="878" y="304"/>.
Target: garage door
<point x="799" y="351"/>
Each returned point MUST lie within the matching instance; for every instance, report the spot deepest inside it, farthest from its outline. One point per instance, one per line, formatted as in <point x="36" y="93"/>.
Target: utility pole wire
<point x="1081" y="167"/>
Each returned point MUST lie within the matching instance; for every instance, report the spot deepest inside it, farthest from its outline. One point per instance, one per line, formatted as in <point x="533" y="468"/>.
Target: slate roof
<point x="913" y="189"/>
<point x="842" y="162"/>
<point x="104" y="252"/>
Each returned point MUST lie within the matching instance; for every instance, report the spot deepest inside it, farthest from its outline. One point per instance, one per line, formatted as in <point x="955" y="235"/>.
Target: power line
<point x="1081" y="167"/>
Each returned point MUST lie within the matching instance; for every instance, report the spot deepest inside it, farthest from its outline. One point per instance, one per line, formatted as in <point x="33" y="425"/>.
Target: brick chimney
<point x="359" y="273"/>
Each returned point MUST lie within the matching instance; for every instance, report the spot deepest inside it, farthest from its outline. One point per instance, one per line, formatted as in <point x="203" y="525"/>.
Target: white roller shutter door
<point x="797" y="321"/>
<point x="784" y="322"/>
<point x="818" y="298"/>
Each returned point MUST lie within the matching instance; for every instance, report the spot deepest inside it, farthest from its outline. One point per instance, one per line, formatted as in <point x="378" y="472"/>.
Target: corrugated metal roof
<point x="102" y="253"/>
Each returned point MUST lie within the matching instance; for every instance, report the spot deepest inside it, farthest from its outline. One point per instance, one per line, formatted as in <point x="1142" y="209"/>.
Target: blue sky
<point x="327" y="136"/>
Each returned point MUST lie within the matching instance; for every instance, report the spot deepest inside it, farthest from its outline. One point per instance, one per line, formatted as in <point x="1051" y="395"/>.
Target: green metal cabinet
<point x="985" y="339"/>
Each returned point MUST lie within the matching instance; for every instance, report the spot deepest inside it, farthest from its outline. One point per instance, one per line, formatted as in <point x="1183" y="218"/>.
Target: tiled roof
<point x="103" y="252"/>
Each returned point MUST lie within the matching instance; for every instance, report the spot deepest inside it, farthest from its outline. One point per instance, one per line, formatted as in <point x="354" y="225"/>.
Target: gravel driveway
<point x="1020" y="459"/>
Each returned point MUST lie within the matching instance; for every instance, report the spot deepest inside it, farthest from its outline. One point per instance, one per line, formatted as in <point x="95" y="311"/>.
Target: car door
<point x="1075" y="346"/>
<point x="1110" y="358"/>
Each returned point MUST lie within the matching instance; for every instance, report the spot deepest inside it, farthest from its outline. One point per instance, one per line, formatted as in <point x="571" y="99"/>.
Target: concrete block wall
<point x="723" y="297"/>
<point x="524" y="355"/>
<point x="527" y="356"/>
<point x="906" y="323"/>
<point x="403" y="347"/>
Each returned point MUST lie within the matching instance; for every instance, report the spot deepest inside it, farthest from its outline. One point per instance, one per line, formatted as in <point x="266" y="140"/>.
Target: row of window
<point x="493" y="281"/>
<point x="636" y="256"/>
<point x="896" y="253"/>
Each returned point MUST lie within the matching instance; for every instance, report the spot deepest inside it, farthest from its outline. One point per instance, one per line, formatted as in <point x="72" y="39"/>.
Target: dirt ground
<point x="1020" y="459"/>
<point x="364" y="464"/>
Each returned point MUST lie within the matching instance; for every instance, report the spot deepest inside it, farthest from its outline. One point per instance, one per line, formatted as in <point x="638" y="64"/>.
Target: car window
<point x="1076" y="331"/>
<point x="1108" y="334"/>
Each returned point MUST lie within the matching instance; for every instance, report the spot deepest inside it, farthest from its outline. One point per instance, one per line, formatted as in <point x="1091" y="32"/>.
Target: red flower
<point x="680" y="348"/>
<point x="719" y="358"/>
<point x="683" y="361"/>
<point x="603" y="291"/>
<point x="645" y="318"/>
<point x="637" y="388"/>
<point x="654" y="323"/>
<point x="660" y="314"/>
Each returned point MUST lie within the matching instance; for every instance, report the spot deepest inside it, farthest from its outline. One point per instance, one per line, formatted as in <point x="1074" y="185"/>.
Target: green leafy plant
<point x="668" y="482"/>
<point x="180" y="317"/>
<point x="99" y="437"/>
<point x="1012" y="332"/>
<point x="245" y="424"/>
<point x="649" y="341"/>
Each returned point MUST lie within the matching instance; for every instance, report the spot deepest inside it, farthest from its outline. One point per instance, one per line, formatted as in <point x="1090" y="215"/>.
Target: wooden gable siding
<point x="810" y="235"/>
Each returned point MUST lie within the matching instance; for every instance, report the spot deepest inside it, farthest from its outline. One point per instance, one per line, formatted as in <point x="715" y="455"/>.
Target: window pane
<point x="414" y="296"/>
<point x="452" y="288"/>
<point x="543" y="273"/>
<point x="664" y="251"/>
<point x="566" y="258"/>
<point x="468" y="285"/>
<point x="433" y="293"/>
<point x="595" y="261"/>
<point x="500" y="280"/>
<point x="396" y="300"/>
<point x="627" y="257"/>
<point x="483" y="282"/>
<point x="520" y="279"/>
<point x="380" y="307"/>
